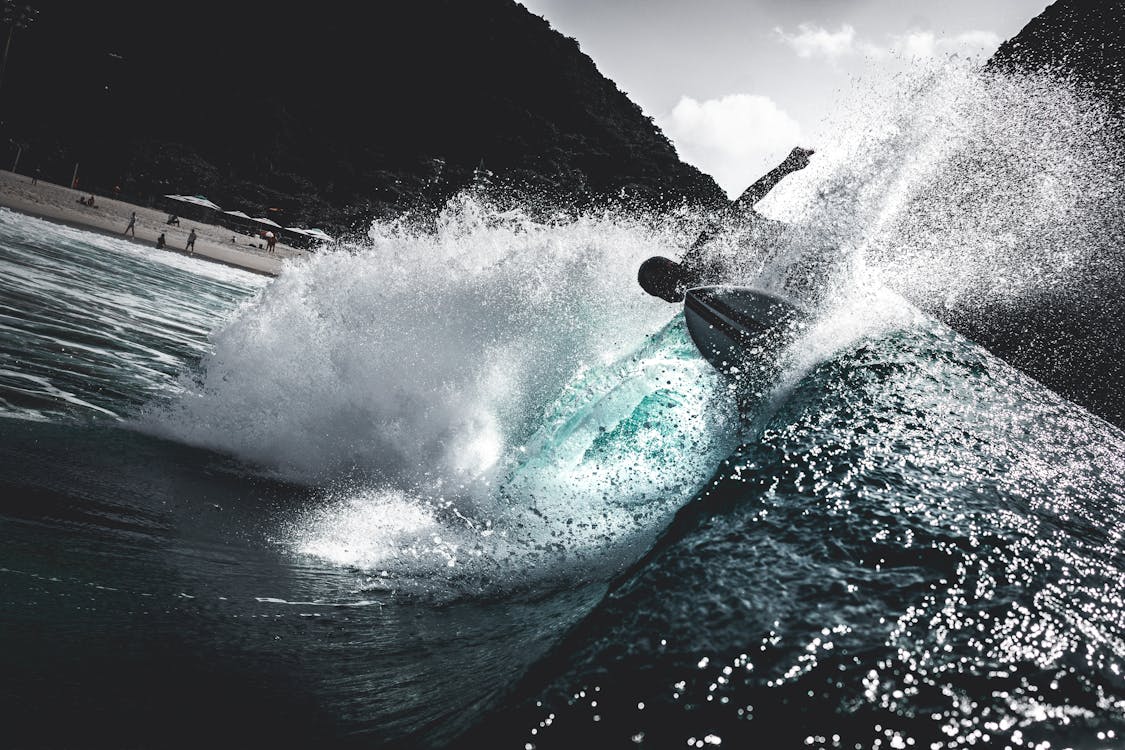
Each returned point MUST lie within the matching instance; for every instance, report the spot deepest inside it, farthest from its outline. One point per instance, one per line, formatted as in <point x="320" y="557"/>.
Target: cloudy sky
<point x="736" y="83"/>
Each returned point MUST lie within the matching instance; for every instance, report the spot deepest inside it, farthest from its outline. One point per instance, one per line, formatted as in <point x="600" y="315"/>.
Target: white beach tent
<point x="238" y="220"/>
<point x="316" y="234"/>
<point x="319" y="234"/>
<point x="195" y="200"/>
<point x="312" y="237"/>
<point x="267" y="222"/>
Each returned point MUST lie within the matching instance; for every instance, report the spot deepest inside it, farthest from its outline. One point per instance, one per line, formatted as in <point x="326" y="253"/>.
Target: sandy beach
<point x="108" y="216"/>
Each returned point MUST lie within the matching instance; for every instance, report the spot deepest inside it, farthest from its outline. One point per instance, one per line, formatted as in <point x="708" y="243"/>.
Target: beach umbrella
<point x="267" y="222"/>
<point x="239" y="215"/>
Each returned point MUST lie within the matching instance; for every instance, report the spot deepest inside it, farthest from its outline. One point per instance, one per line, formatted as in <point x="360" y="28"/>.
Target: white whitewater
<point x="494" y="390"/>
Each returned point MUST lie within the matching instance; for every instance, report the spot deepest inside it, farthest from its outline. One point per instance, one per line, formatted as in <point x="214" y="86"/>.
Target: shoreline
<point x="109" y="216"/>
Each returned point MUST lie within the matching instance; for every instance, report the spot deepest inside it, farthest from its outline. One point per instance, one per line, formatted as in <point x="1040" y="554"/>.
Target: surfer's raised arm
<point x="669" y="280"/>
<point x="798" y="159"/>
<point x="743" y="206"/>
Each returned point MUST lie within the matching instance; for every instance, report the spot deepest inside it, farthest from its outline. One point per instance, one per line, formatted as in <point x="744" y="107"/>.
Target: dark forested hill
<point x="334" y="111"/>
<point x="1073" y="339"/>
<point x="1080" y="40"/>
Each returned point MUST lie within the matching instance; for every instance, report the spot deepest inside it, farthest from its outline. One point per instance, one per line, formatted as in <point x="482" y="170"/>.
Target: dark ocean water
<point x="923" y="548"/>
<point x="246" y="512"/>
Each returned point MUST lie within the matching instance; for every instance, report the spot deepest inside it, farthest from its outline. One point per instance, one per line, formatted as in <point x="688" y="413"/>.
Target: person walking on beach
<point x="132" y="228"/>
<point x="191" y="242"/>
<point x="271" y="241"/>
<point x="160" y="241"/>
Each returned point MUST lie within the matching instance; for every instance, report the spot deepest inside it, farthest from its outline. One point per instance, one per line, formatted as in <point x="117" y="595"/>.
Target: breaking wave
<point x="498" y="387"/>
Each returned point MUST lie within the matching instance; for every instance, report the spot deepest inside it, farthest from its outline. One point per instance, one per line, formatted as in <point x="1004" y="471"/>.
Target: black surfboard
<point x="739" y="329"/>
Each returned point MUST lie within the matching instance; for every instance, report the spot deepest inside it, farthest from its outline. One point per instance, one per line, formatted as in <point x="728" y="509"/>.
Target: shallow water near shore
<point x="468" y="486"/>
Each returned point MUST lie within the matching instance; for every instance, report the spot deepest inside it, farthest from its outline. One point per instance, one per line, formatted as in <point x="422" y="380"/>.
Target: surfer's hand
<point x="798" y="158"/>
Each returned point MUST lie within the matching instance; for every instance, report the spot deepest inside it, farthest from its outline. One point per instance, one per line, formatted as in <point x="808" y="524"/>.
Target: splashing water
<point x="618" y="452"/>
<point x="421" y="354"/>
<point x="960" y="190"/>
<point x="420" y="376"/>
<point x="911" y="541"/>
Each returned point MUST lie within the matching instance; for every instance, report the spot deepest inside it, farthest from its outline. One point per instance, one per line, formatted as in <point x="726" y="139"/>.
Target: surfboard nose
<point x="735" y="326"/>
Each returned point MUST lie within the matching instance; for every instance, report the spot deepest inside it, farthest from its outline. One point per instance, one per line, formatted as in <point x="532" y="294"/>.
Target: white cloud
<point x="810" y="41"/>
<point x="817" y="41"/>
<point x="927" y="44"/>
<point x="735" y="139"/>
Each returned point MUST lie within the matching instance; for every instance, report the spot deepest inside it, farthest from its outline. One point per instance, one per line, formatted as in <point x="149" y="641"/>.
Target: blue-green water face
<point x="921" y="549"/>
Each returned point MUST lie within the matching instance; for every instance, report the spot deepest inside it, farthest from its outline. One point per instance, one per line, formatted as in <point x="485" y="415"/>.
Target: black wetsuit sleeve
<point x="764" y="185"/>
<point x="743" y="206"/>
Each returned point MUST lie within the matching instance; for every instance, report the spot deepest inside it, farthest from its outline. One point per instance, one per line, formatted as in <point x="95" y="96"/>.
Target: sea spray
<point x="621" y="449"/>
<point x="954" y="188"/>
<point x="435" y="376"/>
<point x="961" y="190"/>
<point x="500" y="386"/>
<point x="423" y="353"/>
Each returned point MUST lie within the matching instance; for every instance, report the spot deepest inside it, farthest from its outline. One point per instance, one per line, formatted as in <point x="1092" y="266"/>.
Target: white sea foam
<point x="481" y="398"/>
<point x="421" y="357"/>
<point x="498" y="385"/>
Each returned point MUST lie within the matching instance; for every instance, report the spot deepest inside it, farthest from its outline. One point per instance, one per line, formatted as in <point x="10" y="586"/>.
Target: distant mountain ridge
<point x="335" y="112"/>
<point x="1081" y="40"/>
<point x="1072" y="340"/>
